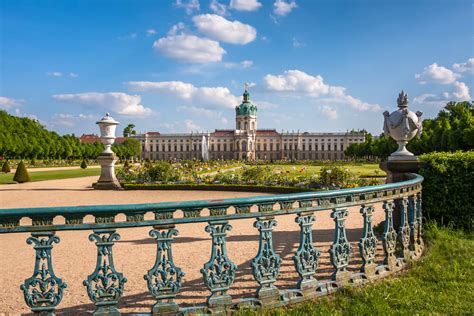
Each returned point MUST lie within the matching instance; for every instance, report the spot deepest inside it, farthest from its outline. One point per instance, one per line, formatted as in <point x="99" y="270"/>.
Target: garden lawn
<point x="441" y="283"/>
<point x="52" y="175"/>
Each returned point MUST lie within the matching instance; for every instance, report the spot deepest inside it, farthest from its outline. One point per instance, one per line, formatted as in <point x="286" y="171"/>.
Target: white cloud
<point x="245" y="5"/>
<point x="282" y="8"/>
<point x="221" y="29"/>
<point x="218" y="8"/>
<point x="329" y="112"/>
<point x="265" y="105"/>
<point x="175" y="28"/>
<point x="459" y="92"/>
<point x="189" y="48"/>
<point x="117" y="102"/>
<point x="73" y="75"/>
<point x="71" y="120"/>
<point x="188" y="5"/>
<point x="56" y="74"/>
<point x="299" y="83"/>
<point x="296" y="43"/>
<point x="150" y="32"/>
<point x="9" y="103"/>
<point x="244" y="64"/>
<point x="436" y="74"/>
<point x="465" y="67"/>
<point x="219" y="97"/>
<point x="191" y="126"/>
<point x="200" y="112"/>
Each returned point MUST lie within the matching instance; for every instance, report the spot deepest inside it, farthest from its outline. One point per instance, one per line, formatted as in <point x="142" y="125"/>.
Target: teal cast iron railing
<point x="105" y="286"/>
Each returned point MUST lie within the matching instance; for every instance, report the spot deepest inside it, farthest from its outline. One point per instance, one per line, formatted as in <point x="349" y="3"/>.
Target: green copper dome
<point x="246" y="107"/>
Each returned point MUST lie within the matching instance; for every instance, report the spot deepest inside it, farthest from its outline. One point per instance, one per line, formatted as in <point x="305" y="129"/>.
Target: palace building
<point x="247" y="142"/>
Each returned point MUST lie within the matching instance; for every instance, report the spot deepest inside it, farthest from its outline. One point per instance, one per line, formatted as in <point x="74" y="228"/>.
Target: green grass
<point x="53" y="175"/>
<point x="441" y="283"/>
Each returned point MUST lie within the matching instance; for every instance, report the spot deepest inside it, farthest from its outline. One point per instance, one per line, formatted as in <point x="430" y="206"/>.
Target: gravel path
<point x="74" y="257"/>
<point x="55" y="168"/>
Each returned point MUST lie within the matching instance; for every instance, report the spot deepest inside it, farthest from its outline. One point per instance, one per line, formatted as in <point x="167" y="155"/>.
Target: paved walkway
<point x="74" y="257"/>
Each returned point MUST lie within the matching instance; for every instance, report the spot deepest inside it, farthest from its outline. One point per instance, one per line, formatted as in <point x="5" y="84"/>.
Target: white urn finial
<point x="107" y="127"/>
<point x="402" y="125"/>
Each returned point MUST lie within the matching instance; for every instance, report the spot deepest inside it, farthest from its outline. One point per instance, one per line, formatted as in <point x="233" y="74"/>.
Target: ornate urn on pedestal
<point x="402" y="125"/>
<point x="107" y="159"/>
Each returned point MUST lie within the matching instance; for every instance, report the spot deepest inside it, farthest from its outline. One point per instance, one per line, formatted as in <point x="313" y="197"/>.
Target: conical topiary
<point x="6" y="167"/>
<point x="21" y="174"/>
<point x="83" y="164"/>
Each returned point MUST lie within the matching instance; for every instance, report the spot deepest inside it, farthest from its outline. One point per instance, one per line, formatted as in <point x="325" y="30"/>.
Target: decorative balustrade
<point x="105" y="286"/>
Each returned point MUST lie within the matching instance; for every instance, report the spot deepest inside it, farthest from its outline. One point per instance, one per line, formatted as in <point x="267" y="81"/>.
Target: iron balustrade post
<point x="389" y="237"/>
<point x="219" y="271"/>
<point x="105" y="285"/>
<point x="43" y="291"/>
<point x="368" y="242"/>
<point x="403" y="229"/>
<point x="341" y="249"/>
<point x="266" y="265"/>
<point x="419" y="244"/>
<point x="164" y="278"/>
<point x="307" y="256"/>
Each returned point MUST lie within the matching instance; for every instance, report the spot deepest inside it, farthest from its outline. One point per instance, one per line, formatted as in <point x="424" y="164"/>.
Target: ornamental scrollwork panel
<point x="404" y="228"/>
<point x="43" y="291"/>
<point x="368" y="242"/>
<point x="341" y="249"/>
<point x="307" y="256"/>
<point x="219" y="271"/>
<point x="389" y="239"/>
<point x="266" y="265"/>
<point x="165" y="278"/>
<point x="105" y="285"/>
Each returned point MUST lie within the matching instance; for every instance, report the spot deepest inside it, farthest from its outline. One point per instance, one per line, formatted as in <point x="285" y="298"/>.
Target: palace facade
<point x="247" y="142"/>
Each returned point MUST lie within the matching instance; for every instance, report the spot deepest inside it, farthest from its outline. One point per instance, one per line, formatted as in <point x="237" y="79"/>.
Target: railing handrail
<point x="179" y="205"/>
<point x="43" y="217"/>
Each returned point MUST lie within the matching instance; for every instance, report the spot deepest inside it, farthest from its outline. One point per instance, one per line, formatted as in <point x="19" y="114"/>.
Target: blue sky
<point x="179" y="66"/>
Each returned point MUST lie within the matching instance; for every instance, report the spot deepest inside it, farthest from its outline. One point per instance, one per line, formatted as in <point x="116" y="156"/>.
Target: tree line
<point x="451" y="130"/>
<point x="25" y="138"/>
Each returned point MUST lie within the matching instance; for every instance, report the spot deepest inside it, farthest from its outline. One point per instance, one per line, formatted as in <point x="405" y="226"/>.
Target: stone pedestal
<point x="396" y="172"/>
<point x="107" y="179"/>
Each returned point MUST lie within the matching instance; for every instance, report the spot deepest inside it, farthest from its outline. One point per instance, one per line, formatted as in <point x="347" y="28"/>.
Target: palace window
<point x="271" y="146"/>
<point x="278" y="147"/>
<point x="175" y="148"/>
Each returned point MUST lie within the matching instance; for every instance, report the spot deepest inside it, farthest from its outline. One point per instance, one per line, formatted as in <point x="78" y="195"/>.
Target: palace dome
<point x="246" y="107"/>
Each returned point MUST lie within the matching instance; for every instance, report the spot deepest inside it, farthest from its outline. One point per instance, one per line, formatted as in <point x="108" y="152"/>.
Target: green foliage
<point x="128" y="149"/>
<point x="21" y="174"/>
<point x="129" y="130"/>
<point x="161" y="171"/>
<point x="254" y="175"/>
<point x="83" y="164"/>
<point x="448" y="190"/>
<point x="6" y="167"/>
<point x="451" y="130"/>
<point x="334" y="176"/>
<point x="25" y="138"/>
<point x="441" y="283"/>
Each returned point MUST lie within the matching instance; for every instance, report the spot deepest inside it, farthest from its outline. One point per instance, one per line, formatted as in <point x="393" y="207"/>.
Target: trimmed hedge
<point x="21" y="173"/>
<point x="215" y="187"/>
<point x="6" y="167"/>
<point x="448" y="193"/>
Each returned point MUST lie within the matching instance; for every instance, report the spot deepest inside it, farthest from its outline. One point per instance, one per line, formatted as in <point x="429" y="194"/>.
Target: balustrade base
<point x="106" y="311"/>
<point x="369" y="270"/>
<point x="165" y="309"/>
<point x="269" y="296"/>
<point x="342" y="277"/>
<point x="308" y="287"/>
<point x="219" y="301"/>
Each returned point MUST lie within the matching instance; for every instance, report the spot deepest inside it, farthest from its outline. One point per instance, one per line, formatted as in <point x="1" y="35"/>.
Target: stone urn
<point x="402" y="125"/>
<point x="107" y="126"/>
<point x="107" y="159"/>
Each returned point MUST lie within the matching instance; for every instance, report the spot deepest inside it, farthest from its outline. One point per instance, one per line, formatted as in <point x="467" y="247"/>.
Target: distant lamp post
<point x="107" y="159"/>
<point x="402" y="125"/>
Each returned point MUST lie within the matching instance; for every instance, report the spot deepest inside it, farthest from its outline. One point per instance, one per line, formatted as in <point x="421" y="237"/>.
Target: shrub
<point x="83" y="164"/>
<point x="254" y="175"/>
<point x="21" y="174"/>
<point x="333" y="176"/>
<point x="448" y="196"/>
<point x="6" y="167"/>
<point x="162" y="172"/>
<point x="126" y="165"/>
